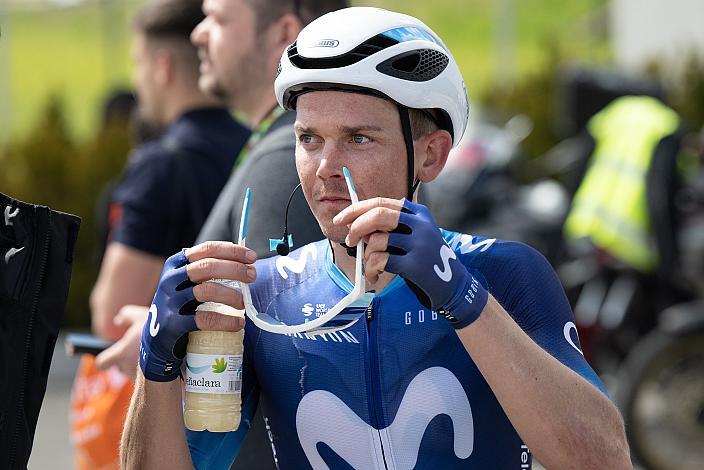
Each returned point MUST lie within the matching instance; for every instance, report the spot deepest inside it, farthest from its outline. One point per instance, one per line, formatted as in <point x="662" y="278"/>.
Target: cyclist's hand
<point x="181" y="289"/>
<point x="403" y="238"/>
<point x="125" y="352"/>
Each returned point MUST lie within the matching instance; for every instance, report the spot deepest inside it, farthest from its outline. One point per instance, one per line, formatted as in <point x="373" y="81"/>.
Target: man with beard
<point x="191" y="160"/>
<point x="240" y="43"/>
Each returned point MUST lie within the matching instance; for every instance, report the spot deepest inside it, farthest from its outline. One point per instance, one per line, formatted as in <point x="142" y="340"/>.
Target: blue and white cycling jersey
<point x="396" y="390"/>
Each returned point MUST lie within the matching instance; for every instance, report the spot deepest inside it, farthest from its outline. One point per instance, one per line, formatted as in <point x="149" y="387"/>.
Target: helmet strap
<point x="412" y="182"/>
<point x="410" y="153"/>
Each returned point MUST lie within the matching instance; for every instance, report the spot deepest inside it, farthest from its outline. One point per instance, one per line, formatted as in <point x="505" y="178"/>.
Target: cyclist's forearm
<point x="154" y="436"/>
<point x="564" y="420"/>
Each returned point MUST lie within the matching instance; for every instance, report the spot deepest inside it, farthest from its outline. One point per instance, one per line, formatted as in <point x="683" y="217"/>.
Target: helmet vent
<point x="367" y="48"/>
<point x="416" y="66"/>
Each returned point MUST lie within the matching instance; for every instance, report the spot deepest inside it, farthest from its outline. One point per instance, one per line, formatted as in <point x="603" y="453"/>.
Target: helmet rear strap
<point x="408" y="139"/>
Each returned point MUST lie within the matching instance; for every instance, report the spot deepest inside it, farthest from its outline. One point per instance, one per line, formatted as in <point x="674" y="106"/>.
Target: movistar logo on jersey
<point x="323" y="417"/>
<point x="464" y="243"/>
<point x="288" y="263"/>
<point x="567" y="331"/>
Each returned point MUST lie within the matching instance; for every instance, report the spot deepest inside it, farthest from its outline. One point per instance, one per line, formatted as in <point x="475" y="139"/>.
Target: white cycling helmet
<point x="374" y="51"/>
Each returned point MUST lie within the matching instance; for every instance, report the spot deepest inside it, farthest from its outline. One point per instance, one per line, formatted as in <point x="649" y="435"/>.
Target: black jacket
<point x="36" y="251"/>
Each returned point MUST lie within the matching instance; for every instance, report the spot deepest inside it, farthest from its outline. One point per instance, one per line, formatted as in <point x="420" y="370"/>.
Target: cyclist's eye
<point x="360" y="139"/>
<point x="308" y="139"/>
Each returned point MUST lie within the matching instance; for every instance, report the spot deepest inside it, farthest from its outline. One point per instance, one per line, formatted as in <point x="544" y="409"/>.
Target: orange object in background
<point x="99" y="403"/>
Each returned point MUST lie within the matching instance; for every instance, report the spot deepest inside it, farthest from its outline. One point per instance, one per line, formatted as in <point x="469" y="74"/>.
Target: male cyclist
<point x="467" y="356"/>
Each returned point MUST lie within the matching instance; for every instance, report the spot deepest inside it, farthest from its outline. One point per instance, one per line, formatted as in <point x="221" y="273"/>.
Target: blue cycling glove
<point x="171" y="318"/>
<point x="419" y="254"/>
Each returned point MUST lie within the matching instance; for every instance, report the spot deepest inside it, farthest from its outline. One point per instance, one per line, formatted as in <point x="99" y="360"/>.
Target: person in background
<point x="162" y="200"/>
<point x="240" y="43"/>
<point x="244" y="76"/>
<point x="119" y="112"/>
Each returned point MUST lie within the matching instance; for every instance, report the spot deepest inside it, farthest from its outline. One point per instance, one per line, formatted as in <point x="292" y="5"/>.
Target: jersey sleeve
<point x="528" y="288"/>
<point x="217" y="450"/>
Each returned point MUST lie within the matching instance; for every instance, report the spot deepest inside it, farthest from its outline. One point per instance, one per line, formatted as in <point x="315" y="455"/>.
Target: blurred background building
<point x="646" y="30"/>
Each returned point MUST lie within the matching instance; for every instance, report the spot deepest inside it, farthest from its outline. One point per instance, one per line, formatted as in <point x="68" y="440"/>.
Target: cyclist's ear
<point x="431" y="153"/>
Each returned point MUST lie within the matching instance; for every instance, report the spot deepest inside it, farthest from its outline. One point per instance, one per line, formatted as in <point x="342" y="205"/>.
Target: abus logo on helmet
<point x="327" y="43"/>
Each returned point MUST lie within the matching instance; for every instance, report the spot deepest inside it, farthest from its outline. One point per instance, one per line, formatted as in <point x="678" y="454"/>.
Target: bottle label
<point x="213" y="373"/>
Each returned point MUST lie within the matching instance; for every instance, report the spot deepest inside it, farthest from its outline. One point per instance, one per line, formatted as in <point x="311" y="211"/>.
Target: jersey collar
<point x="339" y="278"/>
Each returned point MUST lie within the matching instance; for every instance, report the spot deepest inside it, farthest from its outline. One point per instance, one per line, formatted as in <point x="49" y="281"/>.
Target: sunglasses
<point x="342" y="315"/>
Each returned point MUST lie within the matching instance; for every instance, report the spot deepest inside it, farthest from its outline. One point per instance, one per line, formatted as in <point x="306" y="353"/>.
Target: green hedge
<point x="47" y="167"/>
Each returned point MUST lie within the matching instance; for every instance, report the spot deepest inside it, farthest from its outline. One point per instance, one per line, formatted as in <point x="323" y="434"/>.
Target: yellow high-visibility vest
<point x="610" y="205"/>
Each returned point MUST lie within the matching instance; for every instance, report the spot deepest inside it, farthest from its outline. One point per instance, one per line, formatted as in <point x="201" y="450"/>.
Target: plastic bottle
<point x="214" y="376"/>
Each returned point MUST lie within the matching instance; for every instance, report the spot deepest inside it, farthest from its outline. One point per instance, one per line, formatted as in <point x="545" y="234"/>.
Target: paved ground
<point x="52" y="449"/>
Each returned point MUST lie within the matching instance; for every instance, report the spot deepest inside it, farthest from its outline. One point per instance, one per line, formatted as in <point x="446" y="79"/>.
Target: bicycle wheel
<point x="662" y="400"/>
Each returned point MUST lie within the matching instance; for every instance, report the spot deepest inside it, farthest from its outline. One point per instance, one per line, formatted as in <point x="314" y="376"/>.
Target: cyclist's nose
<point x="331" y="162"/>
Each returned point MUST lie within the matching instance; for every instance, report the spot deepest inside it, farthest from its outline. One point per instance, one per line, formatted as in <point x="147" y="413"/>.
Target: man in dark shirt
<point x="240" y="43"/>
<point x="171" y="183"/>
<point x="163" y="198"/>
